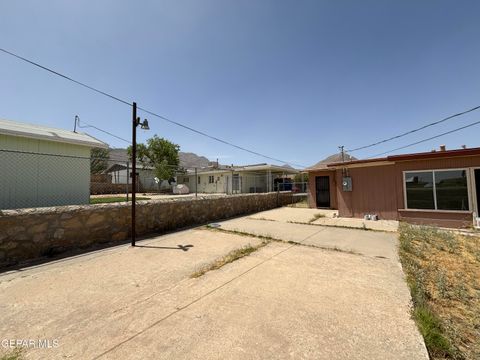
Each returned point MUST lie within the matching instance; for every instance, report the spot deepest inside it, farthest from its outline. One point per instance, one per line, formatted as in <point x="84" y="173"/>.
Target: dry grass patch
<point x="316" y="217"/>
<point x="15" y="354"/>
<point x="443" y="272"/>
<point x="260" y="218"/>
<point x="299" y="204"/>
<point x="229" y="258"/>
<point x="268" y="238"/>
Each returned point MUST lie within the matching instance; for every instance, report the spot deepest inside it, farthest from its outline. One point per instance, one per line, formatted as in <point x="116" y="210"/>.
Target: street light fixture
<point x="143" y="125"/>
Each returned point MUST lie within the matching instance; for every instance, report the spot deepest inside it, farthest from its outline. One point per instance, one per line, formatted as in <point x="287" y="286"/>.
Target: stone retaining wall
<point x="33" y="233"/>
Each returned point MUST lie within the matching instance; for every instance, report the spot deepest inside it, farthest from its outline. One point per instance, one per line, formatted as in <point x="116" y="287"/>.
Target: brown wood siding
<point x="312" y="201"/>
<point x="374" y="191"/>
<point x="443" y="219"/>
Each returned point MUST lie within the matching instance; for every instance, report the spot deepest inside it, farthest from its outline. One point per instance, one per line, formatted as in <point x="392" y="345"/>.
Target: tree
<point x="160" y="154"/>
<point x="302" y="177"/>
<point x="99" y="160"/>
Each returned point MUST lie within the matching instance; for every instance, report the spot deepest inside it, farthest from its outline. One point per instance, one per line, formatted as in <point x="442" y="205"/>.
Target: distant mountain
<point x="119" y="155"/>
<point x="190" y="160"/>
<point x="335" y="158"/>
<point x="187" y="160"/>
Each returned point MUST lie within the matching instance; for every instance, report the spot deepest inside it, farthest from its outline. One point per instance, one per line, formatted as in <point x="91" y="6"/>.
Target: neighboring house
<point x="145" y="175"/>
<point x="436" y="188"/>
<point x="42" y="166"/>
<point x="236" y="179"/>
<point x="120" y="161"/>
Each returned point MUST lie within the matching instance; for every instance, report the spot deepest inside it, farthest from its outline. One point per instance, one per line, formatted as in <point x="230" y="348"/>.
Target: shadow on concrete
<point x="179" y="247"/>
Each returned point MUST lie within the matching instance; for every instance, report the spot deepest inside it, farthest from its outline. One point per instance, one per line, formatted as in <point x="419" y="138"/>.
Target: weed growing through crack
<point x="229" y="258"/>
<point x="316" y="217"/>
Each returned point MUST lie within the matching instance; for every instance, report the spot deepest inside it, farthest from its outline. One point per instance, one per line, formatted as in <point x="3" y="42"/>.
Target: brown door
<point x="322" y="187"/>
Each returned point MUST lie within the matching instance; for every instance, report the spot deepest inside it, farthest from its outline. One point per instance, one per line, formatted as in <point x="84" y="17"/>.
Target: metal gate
<point x="322" y="187"/>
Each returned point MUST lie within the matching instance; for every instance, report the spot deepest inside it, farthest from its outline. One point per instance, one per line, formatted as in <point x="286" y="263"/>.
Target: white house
<point x="146" y="179"/>
<point x="43" y="166"/>
<point x="238" y="179"/>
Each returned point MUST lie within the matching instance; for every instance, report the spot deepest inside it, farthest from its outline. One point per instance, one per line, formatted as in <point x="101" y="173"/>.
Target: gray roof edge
<point x="95" y="143"/>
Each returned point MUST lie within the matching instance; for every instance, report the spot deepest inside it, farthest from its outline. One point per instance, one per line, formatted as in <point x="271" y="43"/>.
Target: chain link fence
<point x="35" y="179"/>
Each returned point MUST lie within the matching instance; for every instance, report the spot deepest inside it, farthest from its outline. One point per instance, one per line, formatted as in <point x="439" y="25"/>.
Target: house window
<point x="419" y="188"/>
<point x="437" y="190"/>
<point x="198" y="180"/>
<point x="186" y="180"/>
<point x="211" y="179"/>
<point x="451" y="190"/>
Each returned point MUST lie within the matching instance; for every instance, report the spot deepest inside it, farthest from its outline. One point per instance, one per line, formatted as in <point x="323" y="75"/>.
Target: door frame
<point x="329" y="193"/>
<point x="473" y="188"/>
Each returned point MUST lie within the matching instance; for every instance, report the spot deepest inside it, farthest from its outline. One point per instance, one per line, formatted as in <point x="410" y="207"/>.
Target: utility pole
<point x="144" y="125"/>
<point x="134" y="166"/>
<point x="343" y="152"/>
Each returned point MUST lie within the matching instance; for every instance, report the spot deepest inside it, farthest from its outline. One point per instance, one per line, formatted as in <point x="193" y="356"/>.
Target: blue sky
<point x="290" y="79"/>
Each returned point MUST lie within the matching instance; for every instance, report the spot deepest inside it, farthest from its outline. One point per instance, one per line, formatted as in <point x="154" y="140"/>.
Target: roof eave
<point x="92" y="144"/>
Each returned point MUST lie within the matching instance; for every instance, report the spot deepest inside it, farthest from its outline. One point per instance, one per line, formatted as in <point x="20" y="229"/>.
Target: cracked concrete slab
<point x="371" y="243"/>
<point x="282" y="301"/>
<point x="328" y="218"/>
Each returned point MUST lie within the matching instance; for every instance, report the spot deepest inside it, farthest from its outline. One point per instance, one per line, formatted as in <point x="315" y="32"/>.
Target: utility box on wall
<point x="347" y="183"/>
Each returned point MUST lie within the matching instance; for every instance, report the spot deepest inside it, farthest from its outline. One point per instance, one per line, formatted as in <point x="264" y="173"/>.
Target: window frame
<point x="434" y="188"/>
<point x="475" y="204"/>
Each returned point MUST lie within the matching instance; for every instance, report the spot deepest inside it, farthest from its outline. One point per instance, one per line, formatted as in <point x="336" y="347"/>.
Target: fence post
<point x="278" y="195"/>
<point x="196" y="183"/>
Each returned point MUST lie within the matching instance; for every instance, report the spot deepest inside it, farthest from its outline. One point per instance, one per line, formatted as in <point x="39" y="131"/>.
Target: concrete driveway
<point x="284" y="301"/>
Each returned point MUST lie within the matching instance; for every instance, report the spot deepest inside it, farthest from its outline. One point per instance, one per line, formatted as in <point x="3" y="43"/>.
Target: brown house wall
<point x="379" y="190"/>
<point x="373" y="192"/>
<point x="443" y="219"/>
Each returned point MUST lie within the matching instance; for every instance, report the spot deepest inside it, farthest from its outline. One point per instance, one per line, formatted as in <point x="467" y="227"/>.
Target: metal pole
<point x="196" y="182"/>
<point x="134" y="166"/>
<point x="128" y="175"/>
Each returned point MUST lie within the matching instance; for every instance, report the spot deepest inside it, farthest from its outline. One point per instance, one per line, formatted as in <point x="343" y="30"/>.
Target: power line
<point x="216" y="139"/>
<point x="87" y="125"/>
<point x="415" y="130"/>
<point x="425" y="140"/>
<point x="66" y="77"/>
<point x="145" y="110"/>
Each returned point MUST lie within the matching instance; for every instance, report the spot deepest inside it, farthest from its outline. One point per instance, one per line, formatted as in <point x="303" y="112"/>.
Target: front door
<point x="322" y="186"/>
